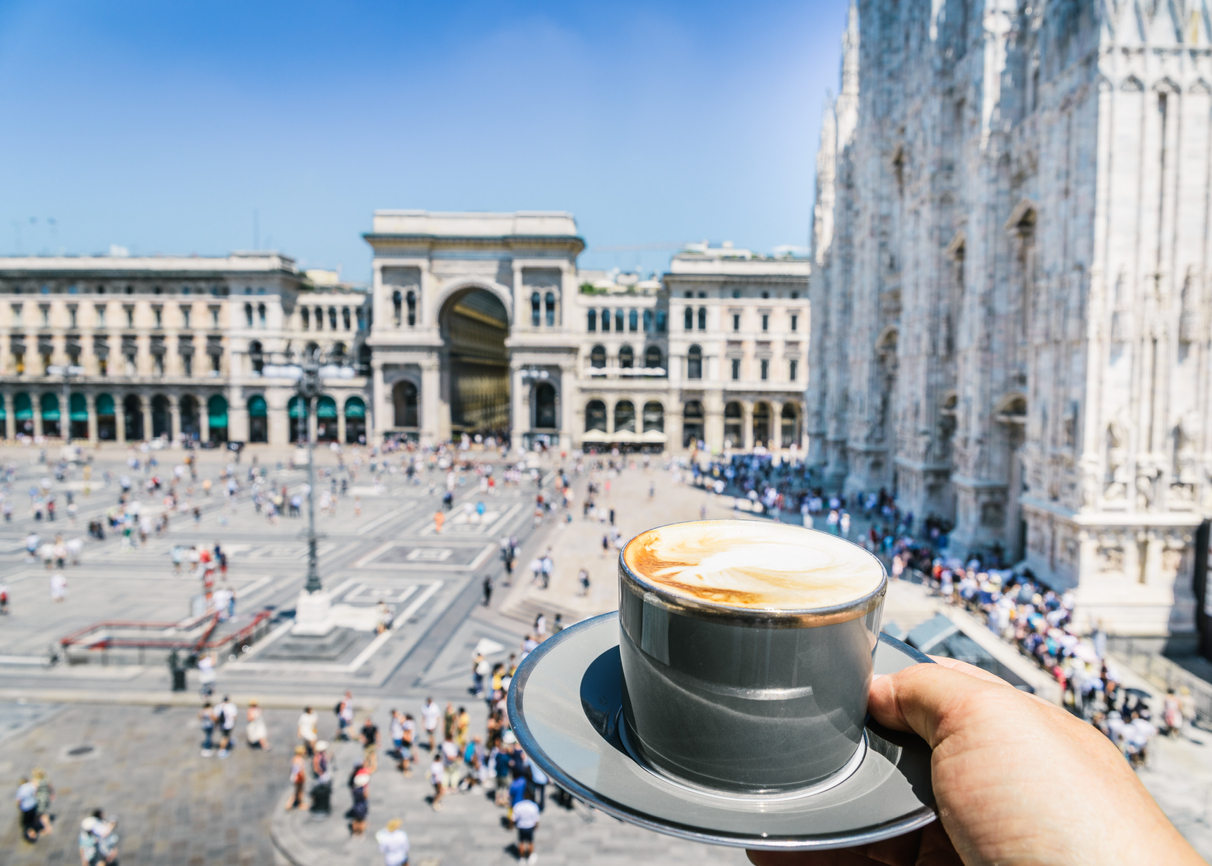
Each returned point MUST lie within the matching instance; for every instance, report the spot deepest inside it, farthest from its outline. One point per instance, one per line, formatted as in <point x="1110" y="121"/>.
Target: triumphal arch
<point x="469" y="333"/>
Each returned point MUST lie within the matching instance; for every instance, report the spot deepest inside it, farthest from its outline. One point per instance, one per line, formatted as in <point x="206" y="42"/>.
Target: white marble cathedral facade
<point x="474" y="322"/>
<point x="1011" y="292"/>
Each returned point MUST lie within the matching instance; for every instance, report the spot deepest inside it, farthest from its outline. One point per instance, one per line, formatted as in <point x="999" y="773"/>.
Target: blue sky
<point x="163" y="127"/>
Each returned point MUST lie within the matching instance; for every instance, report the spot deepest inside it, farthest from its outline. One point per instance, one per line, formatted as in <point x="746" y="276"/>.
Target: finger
<point x="920" y="697"/>
<point x="972" y="670"/>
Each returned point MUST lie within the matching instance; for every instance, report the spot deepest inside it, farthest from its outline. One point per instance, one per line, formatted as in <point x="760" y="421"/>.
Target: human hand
<point x="1016" y="781"/>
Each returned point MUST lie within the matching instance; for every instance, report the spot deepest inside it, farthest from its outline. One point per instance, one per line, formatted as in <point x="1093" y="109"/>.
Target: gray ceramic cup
<point x="740" y="700"/>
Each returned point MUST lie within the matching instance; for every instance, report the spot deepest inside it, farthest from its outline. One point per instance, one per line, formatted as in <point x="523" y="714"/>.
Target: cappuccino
<point x="753" y="565"/>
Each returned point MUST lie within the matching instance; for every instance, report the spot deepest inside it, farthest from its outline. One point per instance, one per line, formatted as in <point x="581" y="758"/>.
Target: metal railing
<point x="194" y="635"/>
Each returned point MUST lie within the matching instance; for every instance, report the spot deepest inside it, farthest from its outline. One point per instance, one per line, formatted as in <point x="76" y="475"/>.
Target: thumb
<point x="921" y="698"/>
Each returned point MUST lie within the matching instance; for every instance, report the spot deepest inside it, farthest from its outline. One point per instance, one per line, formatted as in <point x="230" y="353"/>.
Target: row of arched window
<point x="654" y="321"/>
<point x="342" y="320"/>
<point x="398" y="302"/>
<point x="652" y="419"/>
<point x="542" y="309"/>
<point x="688" y="318"/>
<point x="248" y="316"/>
<point x="652" y="357"/>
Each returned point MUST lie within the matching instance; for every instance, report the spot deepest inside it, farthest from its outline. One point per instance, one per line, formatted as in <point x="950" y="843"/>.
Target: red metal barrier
<point x="79" y="638"/>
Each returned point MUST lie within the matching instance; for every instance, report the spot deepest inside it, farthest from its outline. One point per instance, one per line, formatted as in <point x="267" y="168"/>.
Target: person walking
<point x="526" y="820"/>
<point x="393" y="844"/>
<point x="226" y="714"/>
<point x="206" y="675"/>
<point x="462" y="727"/>
<point x="257" y="733"/>
<point x="58" y="587"/>
<point x="408" y="735"/>
<point x="206" y="719"/>
<point x="45" y="794"/>
<point x="345" y="714"/>
<point x="359" y="789"/>
<point x="370" y="739"/>
<point x="27" y="805"/>
<point x="487" y="589"/>
<point x="321" y="768"/>
<point x="430" y="714"/>
<point x="436" y="778"/>
<point x="298" y="776"/>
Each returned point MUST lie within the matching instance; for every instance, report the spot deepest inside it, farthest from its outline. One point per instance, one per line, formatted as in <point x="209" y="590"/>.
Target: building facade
<point x="473" y="324"/>
<point x="1010" y="297"/>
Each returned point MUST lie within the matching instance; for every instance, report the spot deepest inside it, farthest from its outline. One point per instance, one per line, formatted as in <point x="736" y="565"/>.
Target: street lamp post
<point x="312" y="612"/>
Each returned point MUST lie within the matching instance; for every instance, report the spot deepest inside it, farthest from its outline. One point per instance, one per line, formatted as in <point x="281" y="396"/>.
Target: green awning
<point x="105" y="404"/>
<point x="326" y="407"/>
<point x="50" y="407"/>
<point x="79" y="408"/>
<point x="355" y="408"/>
<point x="3" y="409"/>
<point x="23" y="407"/>
<point x="257" y="407"/>
<point x="295" y="407"/>
<point x="216" y="411"/>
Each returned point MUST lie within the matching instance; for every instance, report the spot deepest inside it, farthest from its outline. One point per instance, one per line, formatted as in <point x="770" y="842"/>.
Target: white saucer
<point x="565" y="704"/>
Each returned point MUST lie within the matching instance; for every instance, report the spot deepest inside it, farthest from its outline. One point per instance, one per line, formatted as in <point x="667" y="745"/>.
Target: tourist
<point x="27" y="804"/>
<point x="45" y="795"/>
<point x="369" y="738"/>
<point x="226" y="714"/>
<point x="359" y="788"/>
<point x="345" y="714"/>
<point x="393" y="844"/>
<point x="430" y="714"/>
<point x="321" y="768"/>
<point x="487" y="589"/>
<point x="436" y="778"/>
<point x="408" y="734"/>
<point x="306" y="729"/>
<point x="206" y="675"/>
<point x="583" y="579"/>
<point x="206" y="719"/>
<point x="480" y="669"/>
<point x="257" y="733"/>
<point x="298" y="776"/>
<point x="451" y="755"/>
<point x="526" y="820"/>
<point x="58" y="587"/>
<point x="462" y="727"/>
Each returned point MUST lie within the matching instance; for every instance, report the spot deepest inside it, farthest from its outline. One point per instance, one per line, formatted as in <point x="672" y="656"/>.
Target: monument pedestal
<point x="313" y="614"/>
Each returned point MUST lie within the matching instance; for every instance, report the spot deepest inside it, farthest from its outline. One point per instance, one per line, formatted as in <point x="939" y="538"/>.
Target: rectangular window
<point x="103" y="366"/>
<point x="130" y="364"/>
<point x="100" y="308"/>
<point x="216" y="364"/>
<point x="19" y="362"/>
<point x="795" y="322"/>
<point x="214" y="317"/>
<point x="736" y="321"/>
<point x="130" y="317"/>
<point x="158" y="364"/>
<point x="765" y="321"/>
<point x="187" y="365"/>
<point x="792" y="370"/>
<point x="736" y="369"/>
<point x="71" y="314"/>
<point x="45" y="316"/>
<point x="18" y="316"/>
<point x="765" y="369"/>
<point x="158" y="313"/>
<point x="185" y="311"/>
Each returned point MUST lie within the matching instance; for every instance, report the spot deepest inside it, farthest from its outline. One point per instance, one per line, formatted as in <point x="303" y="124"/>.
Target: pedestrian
<point x="306" y="729"/>
<point x="27" y="804"/>
<point x="359" y="789"/>
<point x="436" y="777"/>
<point x="206" y="719"/>
<point x="45" y="794"/>
<point x="462" y="727"/>
<point x="298" y="776"/>
<point x="526" y="820"/>
<point x="430" y="714"/>
<point x="583" y="578"/>
<point x="393" y="844"/>
<point x="408" y="735"/>
<point x="487" y="589"/>
<point x="257" y="733"/>
<point x="439" y="518"/>
<point x="370" y="738"/>
<point x="226" y="714"/>
<point x="3" y="597"/>
<point x="345" y="714"/>
<point x="321" y="768"/>
<point x="58" y="587"/>
<point x="206" y="675"/>
<point x="540" y="627"/>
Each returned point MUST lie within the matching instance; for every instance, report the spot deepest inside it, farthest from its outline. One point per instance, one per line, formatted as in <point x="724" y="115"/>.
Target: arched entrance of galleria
<point x="474" y="324"/>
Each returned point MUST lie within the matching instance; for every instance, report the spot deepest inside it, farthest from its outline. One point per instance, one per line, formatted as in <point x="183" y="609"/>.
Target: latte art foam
<point x="760" y="566"/>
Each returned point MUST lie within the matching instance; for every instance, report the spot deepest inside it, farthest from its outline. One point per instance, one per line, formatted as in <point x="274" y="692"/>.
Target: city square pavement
<point x="114" y="736"/>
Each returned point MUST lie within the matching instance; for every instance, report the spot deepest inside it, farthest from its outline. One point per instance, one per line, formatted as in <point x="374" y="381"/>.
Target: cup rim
<point x="762" y="617"/>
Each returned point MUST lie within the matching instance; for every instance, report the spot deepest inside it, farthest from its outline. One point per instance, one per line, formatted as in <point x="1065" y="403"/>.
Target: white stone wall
<point x="1011" y="296"/>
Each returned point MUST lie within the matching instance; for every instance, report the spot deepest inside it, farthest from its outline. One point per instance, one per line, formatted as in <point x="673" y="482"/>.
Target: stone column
<point x="430" y="399"/>
<point x="90" y="402"/>
<point x="713" y="421"/>
<point x="10" y="421"/>
<point x="145" y="405"/>
<point x="379" y="400"/>
<point x="776" y="425"/>
<point x="747" y="425"/>
<point x="341" y="424"/>
<point x="174" y="418"/>
<point x="567" y="408"/>
<point x="673" y="427"/>
<point x="237" y="419"/>
<point x="203" y="420"/>
<point x="517" y="406"/>
<point x="313" y="423"/>
<point x="120" y="417"/>
<point x="36" y="401"/>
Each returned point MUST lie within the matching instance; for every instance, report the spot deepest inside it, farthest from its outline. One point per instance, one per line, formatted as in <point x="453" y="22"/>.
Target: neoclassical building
<point x="474" y="323"/>
<point x="1011" y="296"/>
